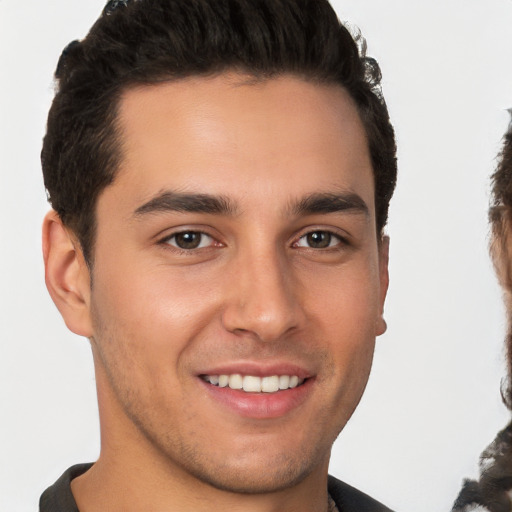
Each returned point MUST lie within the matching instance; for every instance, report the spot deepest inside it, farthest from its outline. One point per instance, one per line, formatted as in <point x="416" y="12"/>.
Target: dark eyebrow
<point x="330" y="203"/>
<point x="169" y="201"/>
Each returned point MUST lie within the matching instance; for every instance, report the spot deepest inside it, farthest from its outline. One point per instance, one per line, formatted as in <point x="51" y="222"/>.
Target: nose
<point x="264" y="297"/>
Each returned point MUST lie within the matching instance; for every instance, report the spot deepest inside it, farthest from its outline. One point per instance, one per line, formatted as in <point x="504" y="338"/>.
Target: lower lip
<point x="260" y="405"/>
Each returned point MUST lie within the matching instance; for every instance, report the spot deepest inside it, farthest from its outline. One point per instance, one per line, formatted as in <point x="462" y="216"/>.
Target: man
<point x="492" y="492"/>
<point x="220" y="173"/>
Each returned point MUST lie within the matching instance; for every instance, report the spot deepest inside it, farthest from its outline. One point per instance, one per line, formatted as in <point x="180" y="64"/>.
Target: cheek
<point x="346" y="308"/>
<point x="151" y="317"/>
<point x="346" y="301"/>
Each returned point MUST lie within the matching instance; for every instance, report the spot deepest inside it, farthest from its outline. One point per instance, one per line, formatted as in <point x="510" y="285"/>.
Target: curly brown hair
<point x="500" y="216"/>
<point x="492" y="490"/>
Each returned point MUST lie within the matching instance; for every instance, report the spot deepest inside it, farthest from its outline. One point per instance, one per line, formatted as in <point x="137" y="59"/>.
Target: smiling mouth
<point x="254" y="384"/>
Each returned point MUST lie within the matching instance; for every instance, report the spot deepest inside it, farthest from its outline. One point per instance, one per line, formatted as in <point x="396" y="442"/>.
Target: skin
<point x="256" y="294"/>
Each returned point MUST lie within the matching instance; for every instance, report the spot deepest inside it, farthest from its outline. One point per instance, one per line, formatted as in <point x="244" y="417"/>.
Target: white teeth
<point x="253" y="384"/>
<point x="284" y="382"/>
<point x="270" y="384"/>
<point x="236" y="381"/>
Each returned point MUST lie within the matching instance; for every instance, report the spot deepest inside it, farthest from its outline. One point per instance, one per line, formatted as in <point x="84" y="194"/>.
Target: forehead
<point x="227" y="134"/>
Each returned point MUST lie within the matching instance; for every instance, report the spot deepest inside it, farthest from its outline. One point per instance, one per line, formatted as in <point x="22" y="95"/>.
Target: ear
<point x="380" y="326"/>
<point x="66" y="275"/>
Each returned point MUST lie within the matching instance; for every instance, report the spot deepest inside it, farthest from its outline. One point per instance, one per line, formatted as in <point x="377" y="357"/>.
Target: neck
<point x="106" y="487"/>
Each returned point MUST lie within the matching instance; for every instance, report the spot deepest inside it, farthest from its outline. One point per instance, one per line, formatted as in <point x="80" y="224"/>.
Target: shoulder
<point x="58" y="497"/>
<point x="493" y="490"/>
<point x="349" y="499"/>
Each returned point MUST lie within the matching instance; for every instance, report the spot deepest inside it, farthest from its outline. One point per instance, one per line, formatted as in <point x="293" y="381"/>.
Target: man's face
<point x="237" y="245"/>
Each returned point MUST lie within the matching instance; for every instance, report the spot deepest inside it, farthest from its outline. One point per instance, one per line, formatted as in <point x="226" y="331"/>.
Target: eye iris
<point x="188" y="240"/>
<point x="319" y="239"/>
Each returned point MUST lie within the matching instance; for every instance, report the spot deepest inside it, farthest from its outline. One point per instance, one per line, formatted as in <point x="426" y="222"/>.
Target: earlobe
<point x="66" y="275"/>
<point x="381" y="326"/>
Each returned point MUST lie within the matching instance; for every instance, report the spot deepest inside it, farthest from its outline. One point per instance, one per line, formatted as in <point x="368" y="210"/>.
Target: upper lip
<point x="258" y="369"/>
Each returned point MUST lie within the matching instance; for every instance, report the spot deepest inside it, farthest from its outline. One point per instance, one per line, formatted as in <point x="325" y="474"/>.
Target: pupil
<point x="188" y="240"/>
<point x="319" y="239"/>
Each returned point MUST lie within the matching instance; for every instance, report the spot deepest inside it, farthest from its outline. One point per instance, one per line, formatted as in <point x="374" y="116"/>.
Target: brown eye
<point x="189" y="240"/>
<point x="319" y="240"/>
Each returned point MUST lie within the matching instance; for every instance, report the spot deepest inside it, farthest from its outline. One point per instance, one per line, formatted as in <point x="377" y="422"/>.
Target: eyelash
<point x="167" y="240"/>
<point x="331" y="236"/>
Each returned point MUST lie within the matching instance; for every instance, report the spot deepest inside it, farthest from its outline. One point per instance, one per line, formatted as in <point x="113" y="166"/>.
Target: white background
<point x="433" y="399"/>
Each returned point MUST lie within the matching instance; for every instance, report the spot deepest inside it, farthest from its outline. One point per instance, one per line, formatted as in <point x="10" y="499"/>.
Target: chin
<point x="255" y="479"/>
<point x="254" y="469"/>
